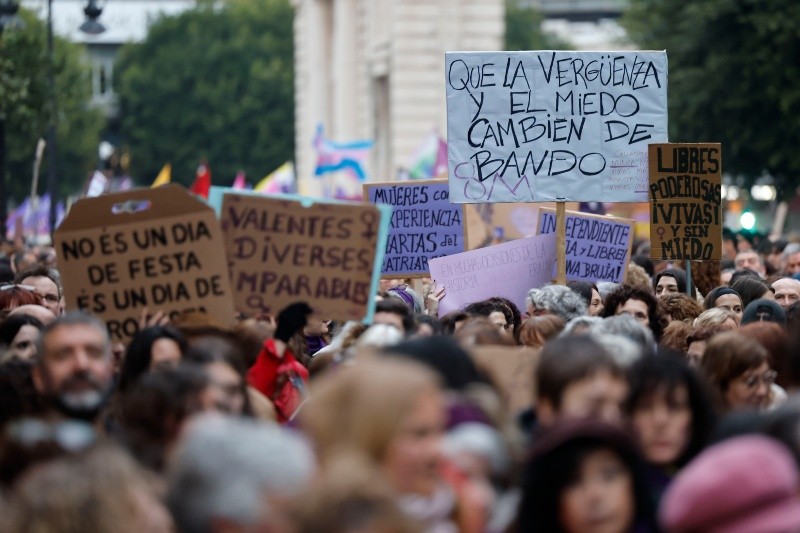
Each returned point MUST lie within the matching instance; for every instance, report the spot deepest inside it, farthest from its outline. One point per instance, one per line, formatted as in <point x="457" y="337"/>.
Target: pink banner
<point x="510" y="269"/>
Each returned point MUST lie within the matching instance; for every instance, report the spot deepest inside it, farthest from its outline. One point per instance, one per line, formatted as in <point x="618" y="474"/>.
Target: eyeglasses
<point x="767" y="378"/>
<point x="52" y="298"/>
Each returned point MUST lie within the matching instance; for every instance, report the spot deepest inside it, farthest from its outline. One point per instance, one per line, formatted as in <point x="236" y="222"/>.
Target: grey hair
<point x="622" y="349"/>
<point x="604" y="288"/>
<point x="558" y="300"/>
<point x="73" y="318"/>
<point x="226" y="468"/>
<point x="482" y="440"/>
<point x="578" y="322"/>
<point x="791" y="249"/>
<point x="626" y="326"/>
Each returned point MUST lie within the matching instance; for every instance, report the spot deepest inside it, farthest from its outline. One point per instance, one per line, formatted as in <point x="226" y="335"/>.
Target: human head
<point x="351" y="495"/>
<point x="791" y="261"/>
<point x="775" y="339"/>
<point x="676" y="335"/>
<point x="627" y="326"/>
<point x="725" y="298"/>
<point x="669" y="281"/>
<point x="787" y="291"/>
<point x="394" y="312"/>
<point x="636" y="276"/>
<point x="156" y="409"/>
<point x="697" y="340"/>
<point x="18" y="337"/>
<point x="564" y="488"/>
<point x="222" y="361"/>
<point x="762" y="310"/>
<point x="238" y="473"/>
<point x="537" y="330"/>
<point x="99" y="490"/>
<point x="557" y="300"/>
<point x="516" y="316"/>
<point x="152" y="348"/>
<point x="74" y="367"/>
<point x="454" y="366"/>
<point x="291" y="320"/>
<point x="479" y="331"/>
<point x="46" y="283"/>
<point x="716" y="316"/>
<point x="577" y="378"/>
<point x="408" y="296"/>
<point x="13" y="296"/>
<point x="498" y="313"/>
<point x="637" y="302"/>
<point x="678" y="306"/>
<point x="590" y="294"/>
<point x="428" y="326"/>
<point x="669" y="410"/>
<point x="391" y="410"/>
<point x="746" y="483"/>
<point x="738" y="369"/>
<point x="750" y="259"/>
<point x="750" y="288"/>
<point x="44" y="315"/>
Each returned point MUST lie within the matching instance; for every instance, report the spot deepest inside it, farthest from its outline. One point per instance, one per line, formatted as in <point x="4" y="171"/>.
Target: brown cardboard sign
<point x="283" y="250"/>
<point x="513" y="370"/>
<point x="160" y="249"/>
<point x="685" y="201"/>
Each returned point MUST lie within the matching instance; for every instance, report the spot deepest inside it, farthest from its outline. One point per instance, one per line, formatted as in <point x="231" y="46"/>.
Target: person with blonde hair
<point x="716" y="317"/>
<point x="99" y="490"/>
<point x="393" y="412"/>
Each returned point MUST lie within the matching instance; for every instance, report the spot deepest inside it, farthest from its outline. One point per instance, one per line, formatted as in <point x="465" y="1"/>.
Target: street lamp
<point x="8" y="18"/>
<point x="90" y="26"/>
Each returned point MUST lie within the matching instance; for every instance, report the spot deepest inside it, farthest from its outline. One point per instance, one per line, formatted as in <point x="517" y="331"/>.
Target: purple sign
<point x="510" y="269"/>
<point x="424" y="225"/>
<point x="598" y="247"/>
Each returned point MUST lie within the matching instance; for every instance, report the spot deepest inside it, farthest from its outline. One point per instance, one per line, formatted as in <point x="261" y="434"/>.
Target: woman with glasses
<point x="739" y="371"/>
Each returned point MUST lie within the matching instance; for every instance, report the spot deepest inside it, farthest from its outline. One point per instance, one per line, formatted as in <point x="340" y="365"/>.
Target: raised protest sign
<point x="283" y="250"/>
<point x="510" y="269"/>
<point x="160" y="249"/>
<point x="547" y="126"/>
<point x="598" y="247"/>
<point x="685" y="194"/>
<point x="513" y="369"/>
<point x="424" y="225"/>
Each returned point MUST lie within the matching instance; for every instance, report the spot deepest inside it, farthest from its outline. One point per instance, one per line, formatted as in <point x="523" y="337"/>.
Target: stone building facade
<point x="374" y="69"/>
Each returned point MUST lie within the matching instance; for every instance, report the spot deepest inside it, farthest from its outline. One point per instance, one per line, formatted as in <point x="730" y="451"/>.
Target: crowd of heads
<point x="663" y="403"/>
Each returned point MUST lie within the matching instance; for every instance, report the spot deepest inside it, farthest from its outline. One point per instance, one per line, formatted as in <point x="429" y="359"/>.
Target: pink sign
<point x="510" y="269"/>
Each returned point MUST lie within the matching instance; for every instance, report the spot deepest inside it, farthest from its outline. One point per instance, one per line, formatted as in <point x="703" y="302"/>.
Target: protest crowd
<point x="629" y="407"/>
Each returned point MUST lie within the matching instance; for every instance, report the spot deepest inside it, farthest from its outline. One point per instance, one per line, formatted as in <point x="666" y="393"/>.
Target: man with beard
<point x="74" y="372"/>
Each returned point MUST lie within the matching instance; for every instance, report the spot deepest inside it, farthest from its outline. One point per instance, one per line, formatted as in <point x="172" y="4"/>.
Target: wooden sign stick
<point x="561" y="242"/>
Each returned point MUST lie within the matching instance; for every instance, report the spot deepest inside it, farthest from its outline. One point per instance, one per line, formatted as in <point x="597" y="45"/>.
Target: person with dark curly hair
<point x="636" y="302"/>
